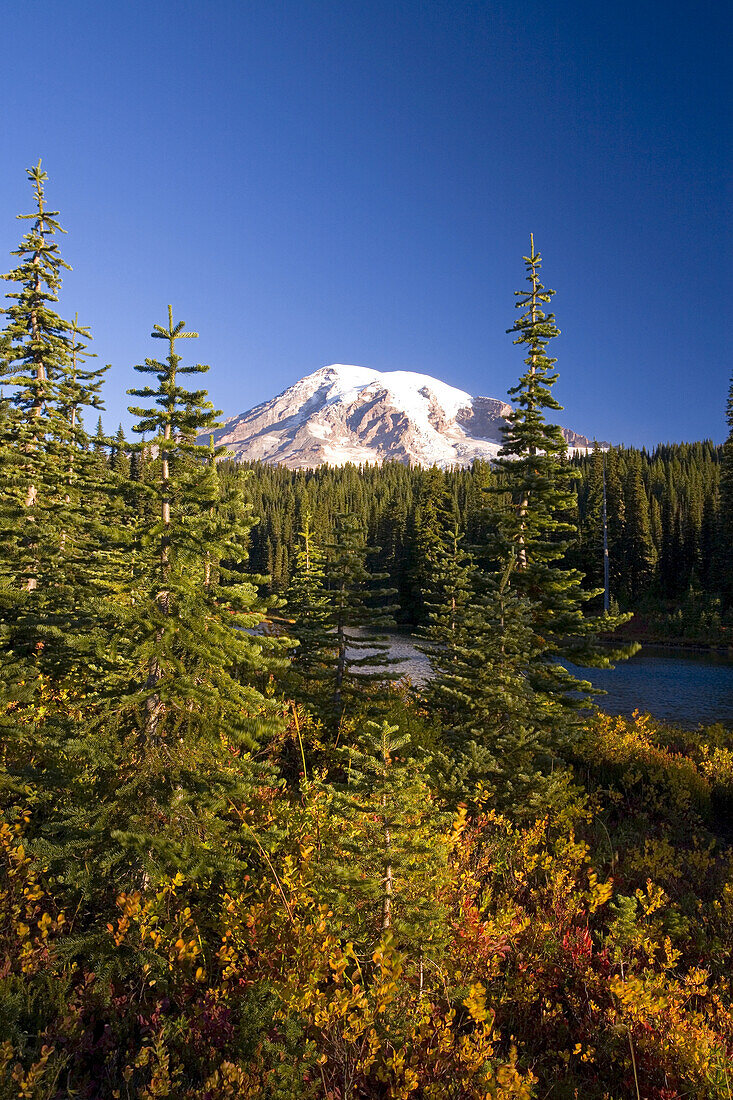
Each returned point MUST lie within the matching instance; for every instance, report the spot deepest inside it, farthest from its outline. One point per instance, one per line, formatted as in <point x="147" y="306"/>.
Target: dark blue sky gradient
<point x="311" y="182"/>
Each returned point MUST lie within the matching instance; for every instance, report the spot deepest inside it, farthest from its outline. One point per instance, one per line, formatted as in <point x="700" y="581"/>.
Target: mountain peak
<point x="347" y="413"/>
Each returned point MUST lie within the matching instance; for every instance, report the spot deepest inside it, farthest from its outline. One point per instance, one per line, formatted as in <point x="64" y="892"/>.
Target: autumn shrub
<point x="553" y="979"/>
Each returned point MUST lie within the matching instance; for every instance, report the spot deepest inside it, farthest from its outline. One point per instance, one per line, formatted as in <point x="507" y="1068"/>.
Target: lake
<point x="682" y="686"/>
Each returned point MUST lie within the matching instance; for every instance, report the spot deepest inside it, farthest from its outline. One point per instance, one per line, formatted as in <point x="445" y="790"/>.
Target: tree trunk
<point x="32" y="493"/>
<point x="340" y="658"/>
<point x="387" y="899"/>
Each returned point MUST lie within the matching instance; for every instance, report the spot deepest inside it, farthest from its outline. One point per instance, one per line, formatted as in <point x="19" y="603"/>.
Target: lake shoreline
<point x="693" y="645"/>
<point x="723" y="648"/>
<point x="688" y="685"/>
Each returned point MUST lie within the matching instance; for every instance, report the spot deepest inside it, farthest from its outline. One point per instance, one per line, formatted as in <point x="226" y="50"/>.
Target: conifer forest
<point x="243" y="856"/>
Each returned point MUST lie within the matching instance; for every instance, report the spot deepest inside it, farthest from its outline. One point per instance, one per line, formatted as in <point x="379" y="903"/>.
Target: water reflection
<point x="686" y="687"/>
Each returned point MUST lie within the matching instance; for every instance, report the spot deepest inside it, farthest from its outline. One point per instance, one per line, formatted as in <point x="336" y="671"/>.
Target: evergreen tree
<point x="80" y="386"/>
<point x="453" y="579"/>
<point x="119" y="459"/>
<point x="616" y="517"/>
<point x="425" y="541"/>
<point x="169" y="753"/>
<point x="307" y="606"/>
<point x="536" y="529"/>
<point x="99" y="440"/>
<point x="392" y="841"/>
<point x="708" y="542"/>
<point x="391" y="533"/>
<point x="590" y="550"/>
<point x="726" y="506"/>
<point x="46" y="527"/>
<point x="481" y="644"/>
<point x="394" y="498"/>
<point x="359" y="614"/>
<point x="36" y="352"/>
<point x="670" y="563"/>
<point x="639" y="554"/>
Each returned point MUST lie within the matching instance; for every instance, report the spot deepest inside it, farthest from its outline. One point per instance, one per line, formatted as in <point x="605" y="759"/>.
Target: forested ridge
<point x="241" y="857"/>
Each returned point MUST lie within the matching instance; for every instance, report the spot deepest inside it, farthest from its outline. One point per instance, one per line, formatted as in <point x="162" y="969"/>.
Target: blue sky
<point x="310" y="182"/>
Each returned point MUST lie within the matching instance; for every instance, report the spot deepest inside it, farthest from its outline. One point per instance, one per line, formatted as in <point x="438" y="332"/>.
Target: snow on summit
<point x="346" y="413"/>
<point x="405" y="384"/>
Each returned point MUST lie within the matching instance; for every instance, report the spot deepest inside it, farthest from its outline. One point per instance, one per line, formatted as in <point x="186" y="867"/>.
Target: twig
<point x="267" y="860"/>
<point x="633" y="1062"/>
<point x="300" y="741"/>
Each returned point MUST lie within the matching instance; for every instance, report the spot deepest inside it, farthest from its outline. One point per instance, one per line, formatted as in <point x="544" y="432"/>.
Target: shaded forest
<point x="666" y="537"/>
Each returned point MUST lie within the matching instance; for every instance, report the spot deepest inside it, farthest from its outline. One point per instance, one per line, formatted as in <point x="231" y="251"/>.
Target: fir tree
<point x="46" y="526"/>
<point x="169" y="753"/>
<point x="591" y="529"/>
<point x="616" y="513"/>
<point x="36" y="353"/>
<point x="726" y="506"/>
<point x="307" y="606"/>
<point x="453" y="578"/>
<point x="119" y="459"/>
<point x="675" y="477"/>
<point x="80" y="386"/>
<point x="480" y="644"/>
<point x="391" y="533"/>
<point x="359" y="614"/>
<point x="392" y="842"/>
<point x="639" y="556"/>
<point x="537" y="529"/>
<point x="425" y="541"/>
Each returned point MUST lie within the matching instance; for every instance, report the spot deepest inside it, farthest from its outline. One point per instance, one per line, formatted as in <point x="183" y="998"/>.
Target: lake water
<point x="682" y="686"/>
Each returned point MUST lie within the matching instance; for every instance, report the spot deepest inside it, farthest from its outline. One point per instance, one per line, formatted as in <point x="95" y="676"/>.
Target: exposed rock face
<point x="344" y="414"/>
<point x="484" y="417"/>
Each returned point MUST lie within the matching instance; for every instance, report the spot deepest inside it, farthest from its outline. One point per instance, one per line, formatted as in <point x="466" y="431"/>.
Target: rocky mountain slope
<point x="343" y="414"/>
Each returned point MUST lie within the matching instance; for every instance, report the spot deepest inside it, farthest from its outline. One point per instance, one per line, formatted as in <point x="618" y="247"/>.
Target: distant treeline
<point x="664" y="531"/>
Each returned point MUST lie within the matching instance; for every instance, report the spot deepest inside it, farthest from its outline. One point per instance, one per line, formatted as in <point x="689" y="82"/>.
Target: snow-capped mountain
<point x="343" y="414"/>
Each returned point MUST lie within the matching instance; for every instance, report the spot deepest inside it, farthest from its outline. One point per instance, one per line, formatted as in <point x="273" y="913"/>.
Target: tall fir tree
<point x="639" y="556"/>
<point x="46" y="527"/>
<point x="119" y="459"/>
<point x="307" y="607"/>
<point x="616" y="519"/>
<point x="590" y="551"/>
<point x="359" y="615"/>
<point x="726" y="506"/>
<point x="167" y="759"/>
<point x="537" y="528"/>
<point x="450" y="592"/>
<point x="426" y="537"/>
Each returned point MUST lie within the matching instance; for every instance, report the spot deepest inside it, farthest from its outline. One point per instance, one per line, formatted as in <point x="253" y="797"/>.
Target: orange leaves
<point x="475" y="1002"/>
<point x="551" y="975"/>
<point x="630" y="744"/>
<point x="130" y="906"/>
<point x="29" y="920"/>
<point x="160" y="925"/>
